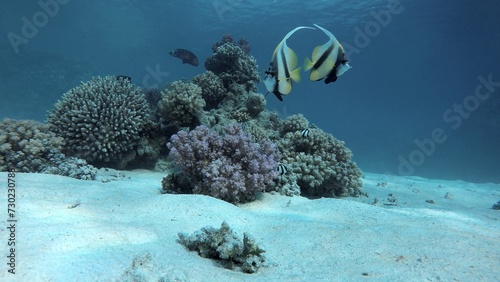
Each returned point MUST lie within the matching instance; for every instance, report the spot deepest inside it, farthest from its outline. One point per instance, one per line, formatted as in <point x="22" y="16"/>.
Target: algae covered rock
<point x="224" y="246"/>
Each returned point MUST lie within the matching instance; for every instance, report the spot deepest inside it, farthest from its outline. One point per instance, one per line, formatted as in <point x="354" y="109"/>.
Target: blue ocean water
<point x="422" y="97"/>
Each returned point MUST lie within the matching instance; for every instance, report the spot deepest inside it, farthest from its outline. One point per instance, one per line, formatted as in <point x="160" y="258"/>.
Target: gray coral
<point x="26" y="145"/>
<point x="101" y="120"/>
<point x="294" y="123"/>
<point x="322" y="164"/>
<point x="233" y="65"/>
<point x="29" y="146"/>
<point x="212" y="89"/>
<point x="255" y="104"/>
<point x="181" y="104"/>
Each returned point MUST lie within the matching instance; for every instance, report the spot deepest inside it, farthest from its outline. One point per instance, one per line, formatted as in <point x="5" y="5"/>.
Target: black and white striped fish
<point x="328" y="60"/>
<point x="305" y="132"/>
<point x="282" y="169"/>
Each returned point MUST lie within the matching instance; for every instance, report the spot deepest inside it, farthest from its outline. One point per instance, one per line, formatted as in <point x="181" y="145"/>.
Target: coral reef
<point x="287" y="185"/>
<point x="322" y="163"/>
<point x="230" y="167"/>
<point x="181" y="104"/>
<point x="233" y="65"/>
<point x="294" y="123"/>
<point x="255" y="104"/>
<point x="244" y="45"/>
<point x="71" y="167"/>
<point x="212" y="89"/>
<point x="101" y="120"/>
<point x="240" y="116"/>
<point x="224" y="246"/>
<point x="228" y="38"/>
<point x="153" y="96"/>
<point x="110" y="122"/>
<point x="29" y="146"/>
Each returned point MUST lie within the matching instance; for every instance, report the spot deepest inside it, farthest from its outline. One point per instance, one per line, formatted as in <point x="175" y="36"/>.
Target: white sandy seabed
<point x="420" y="230"/>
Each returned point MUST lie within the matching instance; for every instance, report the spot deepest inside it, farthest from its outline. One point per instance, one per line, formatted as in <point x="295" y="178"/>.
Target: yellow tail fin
<point x="295" y="75"/>
<point x="308" y="64"/>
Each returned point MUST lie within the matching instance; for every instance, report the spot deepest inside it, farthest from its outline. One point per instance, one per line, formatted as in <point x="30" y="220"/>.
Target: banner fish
<point x="328" y="60"/>
<point x="186" y="56"/>
<point x="282" y="71"/>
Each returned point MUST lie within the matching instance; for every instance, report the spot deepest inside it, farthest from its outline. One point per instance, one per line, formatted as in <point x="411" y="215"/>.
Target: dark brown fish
<point x="186" y="56"/>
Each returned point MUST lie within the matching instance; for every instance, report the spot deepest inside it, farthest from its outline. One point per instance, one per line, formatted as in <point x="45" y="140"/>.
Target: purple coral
<point x="227" y="38"/>
<point x="230" y="167"/>
<point x="244" y="45"/>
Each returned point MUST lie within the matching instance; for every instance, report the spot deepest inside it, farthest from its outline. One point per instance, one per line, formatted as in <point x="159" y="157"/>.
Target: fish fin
<point x="283" y="41"/>
<point x="285" y="86"/>
<point x="278" y="95"/>
<point x="269" y="82"/>
<point x="308" y="64"/>
<point x="294" y="30"/>
<point x="318" y="50"/>
<point x="328" y="33"/>
<point x="295" y="75"/>
<point x="292" y="58"/>
<point x="331" y="78"/>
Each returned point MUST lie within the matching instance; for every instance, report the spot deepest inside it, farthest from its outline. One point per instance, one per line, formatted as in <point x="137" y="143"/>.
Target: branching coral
<point x="26" y="145"/>
<point x="294" y="123"/>
<point x="255" y="104"/>
<point x="322" y="163"/>
<point x="101" y="120"/>
<point x="230" y="167"/>
<point x="212" y="89"/>
<point x="240" y="116"/>
<point x="29" y="146"/>
<point x="233" y="65"/>
<point x="181" y="104"/>
<point x="228" y="38"/>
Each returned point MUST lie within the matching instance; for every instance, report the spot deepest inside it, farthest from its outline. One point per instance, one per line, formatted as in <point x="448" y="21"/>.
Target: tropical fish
<point x="305" y="132"/>
<point x="282" y="169"/>
<point x="124" y="77"/>
<point x="186" y="56"/>
<point x="328" y="60"/>
<point x="282" y="71"/>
